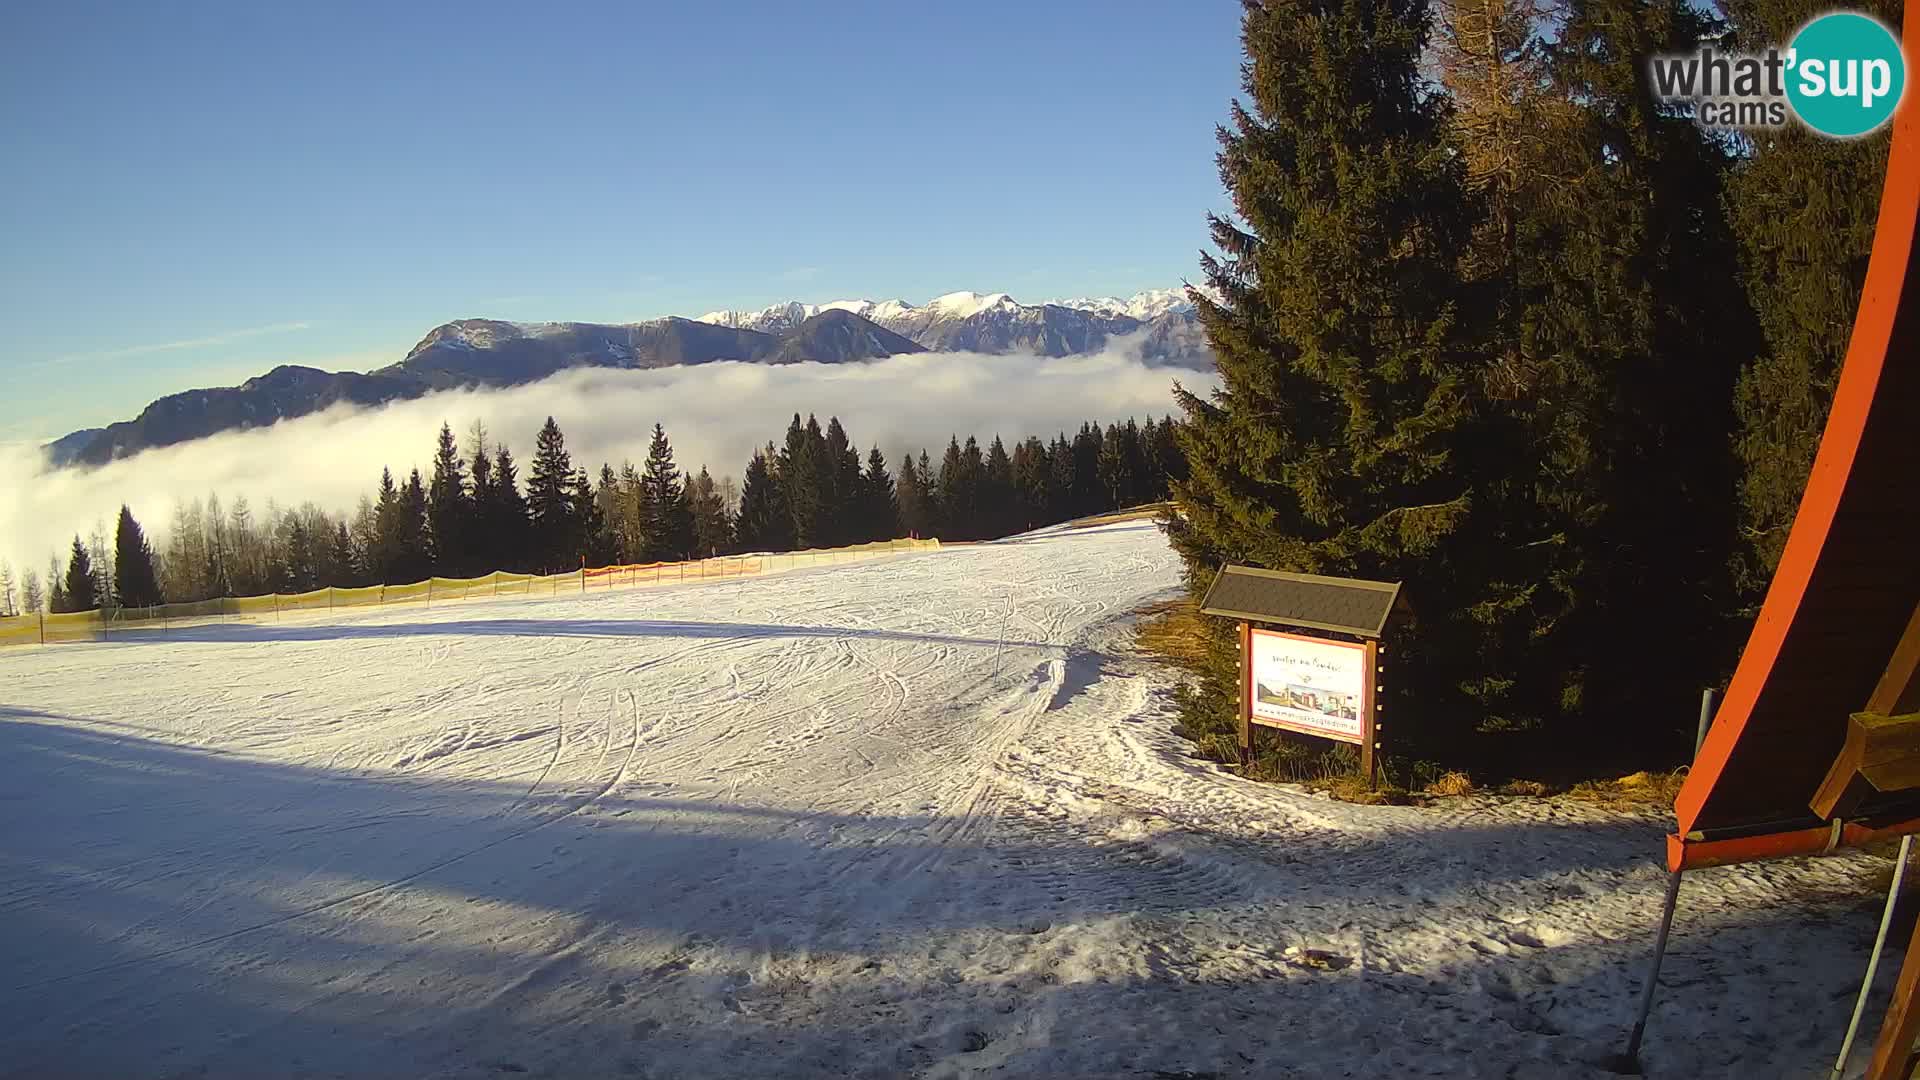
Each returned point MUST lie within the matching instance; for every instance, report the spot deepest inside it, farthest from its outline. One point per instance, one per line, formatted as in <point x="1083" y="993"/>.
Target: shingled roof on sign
<point x="1343" y="605"/>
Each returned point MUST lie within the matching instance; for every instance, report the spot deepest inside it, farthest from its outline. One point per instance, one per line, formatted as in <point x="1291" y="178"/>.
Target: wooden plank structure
<point x="1816" y="744"/>
<point x="1340" y="613"/>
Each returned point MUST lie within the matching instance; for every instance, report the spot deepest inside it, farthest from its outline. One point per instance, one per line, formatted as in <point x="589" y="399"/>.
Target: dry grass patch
<point x="1451" y="783"/>
<point x="1175" y="631"/>
<point x="1634" y="789"/>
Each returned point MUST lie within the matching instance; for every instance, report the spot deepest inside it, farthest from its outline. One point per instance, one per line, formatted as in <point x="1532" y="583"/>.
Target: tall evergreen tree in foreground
<point x="135" y="582"/>
<point x="668" y="521"/>
<point x="880" y="512"/>
<point x="1333" y="443"/>
<point x="1804" y="209"/>
<point x="81" y="592"/>
<point x="764" y="523"/>
<point x="550" y="501"/>
<point x="449" y="513"/>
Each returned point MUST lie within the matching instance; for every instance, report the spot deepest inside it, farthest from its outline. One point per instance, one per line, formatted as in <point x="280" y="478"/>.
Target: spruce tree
<point x="1087" y="496"/>
<point x="765" y="523"/>
<point x="916" y="514"/>
<point x="416" y="552"/>
<point x="803" y="482"/>
<point x="1613" y="437"/>
<point x="880" y="512"/>
<point x="589" y="530"/>
<point x="997" y="492"/>
<point x="449" y="508"/>
<point x="341" y="559"/>
<point x="32" y="600"/>
<point x="81" y="592"/>
<point x="1332" y="444"/>
<point x="1030" y="468"/>
<point x="712" y="528"/>
<point x="507" y="523"/>
<point x="1803" y="208"/>
<point x="668" y="518"/>
<point x="1061" y="469"/>
<point x="956" y="495"/>
<point x="549" y="502"/>
<point x="389" y="522"/>
<point x="839" y="486"/>
<point x="135" y="581"/>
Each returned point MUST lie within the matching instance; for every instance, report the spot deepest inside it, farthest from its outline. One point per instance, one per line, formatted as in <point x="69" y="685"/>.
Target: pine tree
<point x="7" y="586"/>
<point x="765" y="523"/>
<point x="449" y="509"/>
<point x="136" y="582"/>
<point x="549" y="504"/>
<point x="82" y="591"/>
<point x="1331" y="445"/>
<point x="880" y="511"/>
<point x="33" y="599"/>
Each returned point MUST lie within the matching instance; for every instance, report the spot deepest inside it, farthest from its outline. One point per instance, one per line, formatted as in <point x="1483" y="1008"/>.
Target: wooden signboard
<point x="1322" y="683"/>
<point x="1310" y="686"/>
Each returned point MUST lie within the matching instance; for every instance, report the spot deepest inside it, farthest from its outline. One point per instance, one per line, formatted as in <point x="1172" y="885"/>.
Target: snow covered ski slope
<point x="922" y="816"/>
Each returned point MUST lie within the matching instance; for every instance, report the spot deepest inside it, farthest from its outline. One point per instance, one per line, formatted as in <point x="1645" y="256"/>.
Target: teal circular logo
<point x="1846" y="74"/>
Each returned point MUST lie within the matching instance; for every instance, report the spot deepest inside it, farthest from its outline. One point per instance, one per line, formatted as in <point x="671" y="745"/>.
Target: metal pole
<point x="1666" y="910"/>
<point x="1873" y="960"/>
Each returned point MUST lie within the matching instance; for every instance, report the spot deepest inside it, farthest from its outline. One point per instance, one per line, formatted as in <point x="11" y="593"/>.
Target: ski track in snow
<point x="923" y="816"/>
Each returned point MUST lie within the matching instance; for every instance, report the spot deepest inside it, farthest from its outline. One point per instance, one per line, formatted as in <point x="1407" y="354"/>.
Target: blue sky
<point x="194" y="193"/>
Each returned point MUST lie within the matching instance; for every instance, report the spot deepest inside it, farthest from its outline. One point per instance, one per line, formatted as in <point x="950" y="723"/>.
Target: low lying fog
<point x="714" y="413"/>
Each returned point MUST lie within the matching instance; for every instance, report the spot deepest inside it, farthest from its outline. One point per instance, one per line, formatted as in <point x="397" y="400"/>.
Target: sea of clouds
<point x="716" y="414"/>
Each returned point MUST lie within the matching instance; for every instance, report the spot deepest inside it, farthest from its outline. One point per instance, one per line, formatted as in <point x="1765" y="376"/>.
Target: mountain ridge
<point x="495" y="353"/>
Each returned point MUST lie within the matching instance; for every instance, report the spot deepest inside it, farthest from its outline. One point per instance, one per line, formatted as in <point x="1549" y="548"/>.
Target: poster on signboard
<point x="1309" y="684"/>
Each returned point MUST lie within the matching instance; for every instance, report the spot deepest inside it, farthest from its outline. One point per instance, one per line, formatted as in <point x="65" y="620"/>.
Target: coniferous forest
<point x="1494" y="322"/>
<point x="474" y="512"/>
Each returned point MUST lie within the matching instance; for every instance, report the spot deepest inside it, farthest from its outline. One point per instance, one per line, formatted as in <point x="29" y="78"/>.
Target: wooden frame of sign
<point x="1324" y="682"/>
<point x="1362" y="729"/>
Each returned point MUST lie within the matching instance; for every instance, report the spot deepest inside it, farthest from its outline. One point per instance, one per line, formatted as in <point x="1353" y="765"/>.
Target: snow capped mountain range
<point x="1158" y="326"/>
<point x="1142" y="307"/>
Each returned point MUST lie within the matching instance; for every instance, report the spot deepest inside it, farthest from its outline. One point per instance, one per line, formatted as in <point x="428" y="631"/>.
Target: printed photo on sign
<point x="1309" y="683"/>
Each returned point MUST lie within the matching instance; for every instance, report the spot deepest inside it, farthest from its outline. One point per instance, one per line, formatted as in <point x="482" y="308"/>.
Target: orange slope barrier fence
<point x="94" y="625"/>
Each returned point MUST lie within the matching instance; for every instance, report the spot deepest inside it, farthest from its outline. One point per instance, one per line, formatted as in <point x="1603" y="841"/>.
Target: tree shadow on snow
<point x="539" y="628"/>
<point x="165" y="910"/>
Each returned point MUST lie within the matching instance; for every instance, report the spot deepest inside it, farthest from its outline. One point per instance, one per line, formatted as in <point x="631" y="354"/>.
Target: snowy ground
<point x="922" y="816"/>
